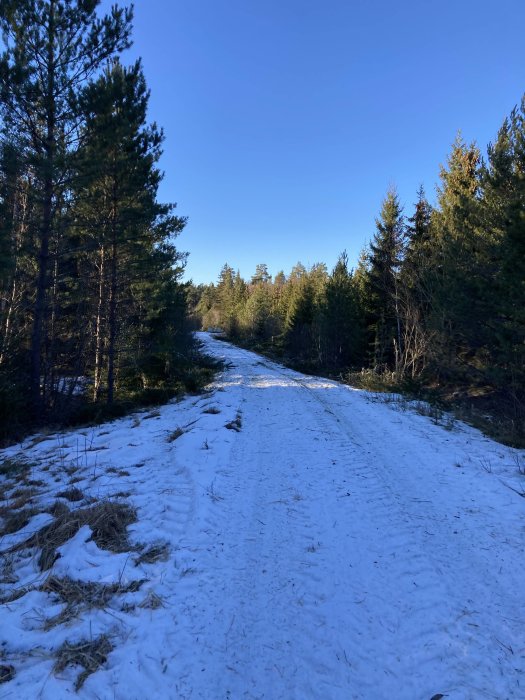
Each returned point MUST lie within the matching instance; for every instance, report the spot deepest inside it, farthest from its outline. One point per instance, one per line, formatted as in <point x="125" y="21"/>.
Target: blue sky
<point x="287" y="120"/>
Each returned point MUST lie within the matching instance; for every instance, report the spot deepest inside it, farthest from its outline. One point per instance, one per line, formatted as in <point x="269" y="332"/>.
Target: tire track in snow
<point x="431" y="574"/>
<point x="322" y="566"/>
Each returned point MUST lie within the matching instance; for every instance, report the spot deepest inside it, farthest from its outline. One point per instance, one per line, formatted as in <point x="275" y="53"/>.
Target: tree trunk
<point x="112" y="314"/>
<point x="99" y="340"/>
<point x="47" y="222"/>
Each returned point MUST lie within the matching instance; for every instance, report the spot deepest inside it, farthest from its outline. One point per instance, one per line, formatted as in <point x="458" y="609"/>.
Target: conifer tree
<point x="457" y="275"/>
<point x="136" y="263"/>
<point x="386" y="254"/>
<point x="504" y="215"/>
<point x="342" y="333"/>
<point x="261" y="275"/>
<point x="53" y="48"/>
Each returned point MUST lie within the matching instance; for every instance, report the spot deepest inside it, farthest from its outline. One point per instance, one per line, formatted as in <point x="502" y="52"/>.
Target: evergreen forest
<point x="92" y="306"/>
<point x="435" y="306"/>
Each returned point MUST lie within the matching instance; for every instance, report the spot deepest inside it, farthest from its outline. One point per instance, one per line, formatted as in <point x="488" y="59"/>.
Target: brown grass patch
<point x="157" y="552"/>
<point x="118" y="472"/>
<point x="58" y="509"/>
<point x="152" y="602"/>
<point x="73" y="494"/>
<point x="7" y="673"/>
<point x="14" y="595"/>
<point x="39" y="439"/>
<point x="24" y="493"/>
<point x="108" y="521"/>
<point x="35" y="482"/>
<point x="7" y="570"/>
<point x="90" y="654"/>
<point x="82" y="595"/>
<point x="235" y="424"/>
<point x="212" y="410"/>
<point x="175" y="435"/>
<point x="16" y="520"/>
<point x="13" y="467"/>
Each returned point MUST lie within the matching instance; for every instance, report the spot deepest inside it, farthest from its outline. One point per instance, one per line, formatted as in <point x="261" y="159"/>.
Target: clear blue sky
<point x="287" y="120"/>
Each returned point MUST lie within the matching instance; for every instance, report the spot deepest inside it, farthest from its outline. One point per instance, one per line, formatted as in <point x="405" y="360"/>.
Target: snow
<point x="325" y="545"/>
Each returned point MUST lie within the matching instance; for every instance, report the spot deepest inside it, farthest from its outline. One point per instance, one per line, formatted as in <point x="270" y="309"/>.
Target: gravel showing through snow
<point x="322" y="544"/>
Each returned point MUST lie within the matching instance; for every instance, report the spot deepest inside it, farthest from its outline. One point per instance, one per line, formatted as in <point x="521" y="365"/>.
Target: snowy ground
<point x="311" y="542"/>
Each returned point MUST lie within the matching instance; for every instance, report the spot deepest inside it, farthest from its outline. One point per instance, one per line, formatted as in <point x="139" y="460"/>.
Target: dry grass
<point x="17" y="504"/>
<point x="108" y="521"/>
<point x="7" y="569"/>
<point x="39" y="439"/>
<point x="81" y="595"/>
<point x="152" y="602"/>
<point x="24" y="493"/>
<point x="16" y="520"/>
<point x="235" y="424"/>
<point x="35" y="482"/>
<point x="212" y="410"/>
<point x="58" y="509"/>
<point x="14" y="594"/>
<point x="90" y="654"/>
<point x="175" y="435"/>
<point x="157" y="552"/>
<point x="118" y="472"/>
<point x="13" y="467"/>
<point x="7" y="673"/>
<point x="72" y="494"/>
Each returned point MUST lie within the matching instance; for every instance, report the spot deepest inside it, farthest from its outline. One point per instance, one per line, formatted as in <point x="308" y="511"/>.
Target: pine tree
<point x="117" y="208"/>
<point x="261" y="275"/>
<point x="53" y="48"/>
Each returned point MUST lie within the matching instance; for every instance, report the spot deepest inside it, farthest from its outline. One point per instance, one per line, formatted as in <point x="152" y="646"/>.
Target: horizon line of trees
<point x="436" y="299"/>
<point x="90" y="278"/>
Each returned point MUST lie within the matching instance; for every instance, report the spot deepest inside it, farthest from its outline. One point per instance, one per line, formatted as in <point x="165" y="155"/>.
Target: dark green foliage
<point x="132" y="264"/>
<point x="92" y="307"/>
<point x="436" y="305"/>
<point x="53" y="47"/>
<point x="382" y="284"/>
<point x="342" y="320"/>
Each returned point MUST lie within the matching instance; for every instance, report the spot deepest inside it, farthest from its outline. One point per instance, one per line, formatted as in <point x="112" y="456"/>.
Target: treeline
<point x="91" y="302"/>
<point x="436" y="301"/>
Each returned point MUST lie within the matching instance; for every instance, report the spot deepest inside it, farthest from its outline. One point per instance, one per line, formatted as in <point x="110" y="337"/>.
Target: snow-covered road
<point x="324" y="544"/>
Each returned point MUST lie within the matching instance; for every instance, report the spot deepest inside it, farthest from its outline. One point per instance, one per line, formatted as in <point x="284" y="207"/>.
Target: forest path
<point x="313" y="542"/>
<point x="350" y="551"/>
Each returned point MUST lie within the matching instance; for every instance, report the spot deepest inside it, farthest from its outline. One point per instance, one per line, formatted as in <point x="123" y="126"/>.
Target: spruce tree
<point x="342" y="333"/>
<point x="457" y="277"/>
<point x="386" y="254"/>
<point x="504" y="213"/>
